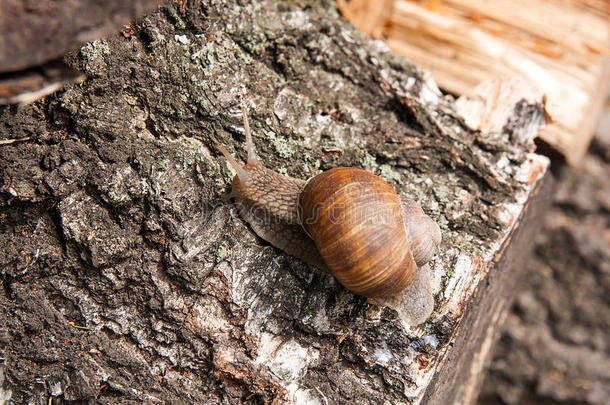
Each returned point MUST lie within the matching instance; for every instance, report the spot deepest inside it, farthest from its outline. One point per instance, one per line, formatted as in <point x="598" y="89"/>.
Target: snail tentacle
<point x="252" y="157"/>
<point x="242" y="174"/>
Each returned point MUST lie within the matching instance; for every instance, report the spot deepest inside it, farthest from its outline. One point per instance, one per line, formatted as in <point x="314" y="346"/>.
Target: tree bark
<point x="127" y="278"/>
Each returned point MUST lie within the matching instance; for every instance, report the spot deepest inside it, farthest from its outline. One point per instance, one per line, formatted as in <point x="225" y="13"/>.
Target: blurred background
<point x="555" y="343"/>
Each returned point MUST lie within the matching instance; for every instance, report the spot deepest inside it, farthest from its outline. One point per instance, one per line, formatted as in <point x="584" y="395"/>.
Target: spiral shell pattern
<point x="356" y="221"/>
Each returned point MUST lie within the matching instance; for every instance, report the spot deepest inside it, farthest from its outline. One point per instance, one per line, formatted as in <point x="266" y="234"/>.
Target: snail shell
<point x="355" y="219"/>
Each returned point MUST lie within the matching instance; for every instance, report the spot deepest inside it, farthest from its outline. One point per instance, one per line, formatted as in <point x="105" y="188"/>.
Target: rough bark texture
<point x="125" y="278"/>
<point x="460" y="381"/>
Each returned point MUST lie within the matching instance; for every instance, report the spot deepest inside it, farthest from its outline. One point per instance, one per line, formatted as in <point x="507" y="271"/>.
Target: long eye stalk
<point x="237" y="166"/>
<point x="252" y="158"/>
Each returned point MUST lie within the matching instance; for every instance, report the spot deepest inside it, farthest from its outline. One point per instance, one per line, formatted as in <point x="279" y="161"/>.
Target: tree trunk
<point x="126" y="276"/>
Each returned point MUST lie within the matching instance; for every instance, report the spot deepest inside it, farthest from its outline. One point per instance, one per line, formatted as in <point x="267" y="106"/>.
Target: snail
<point x="344" y="220"/>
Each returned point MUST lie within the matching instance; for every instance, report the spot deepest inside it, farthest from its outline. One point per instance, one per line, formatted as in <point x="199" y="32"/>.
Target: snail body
<point x="344" y="220"/>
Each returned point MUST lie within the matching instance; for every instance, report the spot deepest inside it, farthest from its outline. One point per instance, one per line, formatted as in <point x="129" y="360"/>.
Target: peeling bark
<point x="127" y="278"/>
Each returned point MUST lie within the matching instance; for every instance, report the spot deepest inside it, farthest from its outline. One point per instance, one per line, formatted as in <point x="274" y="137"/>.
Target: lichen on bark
<point x="127" y="277"/>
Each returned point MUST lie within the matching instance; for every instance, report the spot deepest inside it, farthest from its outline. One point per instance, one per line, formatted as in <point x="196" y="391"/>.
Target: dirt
<point x="555" y="345"/>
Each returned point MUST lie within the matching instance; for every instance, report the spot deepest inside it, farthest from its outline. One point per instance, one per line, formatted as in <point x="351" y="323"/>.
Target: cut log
<point x="555" y="48"/>
<point x="126" y="276"/>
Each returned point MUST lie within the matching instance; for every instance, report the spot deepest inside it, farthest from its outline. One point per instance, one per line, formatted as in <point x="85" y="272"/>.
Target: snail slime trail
<point x="347" y="221"/>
